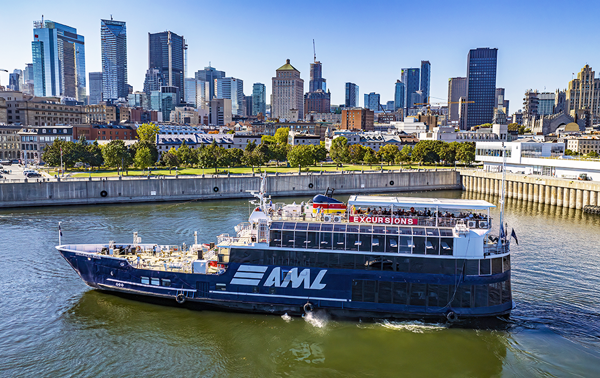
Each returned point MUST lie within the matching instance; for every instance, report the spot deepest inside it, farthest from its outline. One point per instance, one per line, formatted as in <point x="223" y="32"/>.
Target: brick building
<point x="358" y="119"/>
<point x="104" y="132"/>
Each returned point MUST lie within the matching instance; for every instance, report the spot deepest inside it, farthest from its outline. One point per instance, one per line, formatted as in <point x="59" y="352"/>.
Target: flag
<point x="502" y="233"/>
<point x="513" y="234"/>
<point x="60" y="231"/>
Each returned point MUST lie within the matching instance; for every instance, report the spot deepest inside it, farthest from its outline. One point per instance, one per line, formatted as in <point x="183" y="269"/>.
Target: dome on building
<point x="287" y="67"/>
<point x="571" y="127"/>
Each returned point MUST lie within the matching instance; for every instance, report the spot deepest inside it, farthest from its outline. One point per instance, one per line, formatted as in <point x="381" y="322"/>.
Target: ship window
<point x="352" y="228"/>
<point x="465" y="295"/>
<point x="432" y="266"/>
<point x="275" y="238"/>
<point x="378" y="230"/>
<point x="372" y="262"/>
<point x="325" y="240"/>
<point x="326" y="227"/>
<point x="497" y="265"/>
<point x="289" y="226"/>
<point x="276" y="225"/>
<point x="417" y="265"/>
<point x="485" y="266"/>
<point x="472" y="268"/>
<point x="312" y="240"/>
<point x="418" y="294"/>
<point x="287" y="239"/>
<point x="434" y="293"/>
<point x="481" y="295"/>
<point x="406" y="244"/>
<point x="314" y="227"/>
<point x="391" y="244"/>
<point x="495" y="297"/>
<point x="145" y="280"/>
<point x="365" y="242"/>
<point x="418" y="231"/>
<point x="506" y="293"/>
<point x="366" y="229"/>
<point x="378" y="243"/>
<point x="460" y="266"/>
<point x="300" y="239"/>
<point x="339" y="228"/>
<point x="347" y="261"/>
<point x="283" y="258"/>
<point x="445" y="232"/>
<point x="432" y="246"/>
<point x="405" y="231"/>
<point x="334" y="260"/>
<point x="352" y="242"/>
<point x="384" y="293"/>
<point x="446" y="246"/>
<point x="432" y="232"/>
<point x="506" y="263"/>
<point x="369" y="291"/>
<point x="155" y="281"/>
<point x="400" y="293"/>
<point x="166" y="282"/>
<point x="301" y="226"/>
<point x="419" y="245"/>
<point x="448" y="266"/>
<point x="339" y="241"/>
<point x="391" y="230"/>
<point x="322" y="260"/>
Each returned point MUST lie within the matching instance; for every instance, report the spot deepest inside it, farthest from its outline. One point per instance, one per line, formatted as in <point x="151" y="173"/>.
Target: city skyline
<point x="447" y="58"/>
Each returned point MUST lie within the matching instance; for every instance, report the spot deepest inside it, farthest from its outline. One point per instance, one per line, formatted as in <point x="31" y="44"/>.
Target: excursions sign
<point x="385" y="220"/>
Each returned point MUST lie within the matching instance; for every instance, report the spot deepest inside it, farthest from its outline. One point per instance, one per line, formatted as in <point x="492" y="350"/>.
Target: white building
<point x="372" y="139"/>
<point x="449" y="134"/>
<point x="303" y="139"/>
<point x="410" y="126"/>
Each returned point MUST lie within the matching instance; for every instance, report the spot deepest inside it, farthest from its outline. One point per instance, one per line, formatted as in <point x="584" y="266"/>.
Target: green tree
<point x="280" y="152"/>
<point x="424" y="152"/>
<point x="301" y="156"/>
<point x="388" y="153"/>
<point x="95" y="158"/>
<point x="371" y="157"/>
<point x="184" y="154"/>
<point x="356" y="153"/>
<point x="51" y="154"/>
<point x="144" y="143"/>
<point x="147" y="132"/>
<point x="281" y="135"/>
<point x="169" y="158"/>
<point x="235" y="156"/>
<point x="513" y="127"/>
<point x="592" y="154"/>
<point x="448" y="151"/>
<point x="486" y="126"/>
<point x="207" y="157"/>
<point x="268" y="139"/>
<point x="339" y="150"/>
<point x="466" y="153"/>
<point x="404" y="155"/>
<point x="115" y="154"/>
<point x="318" y="153"/>
<point x="143" y="158"/>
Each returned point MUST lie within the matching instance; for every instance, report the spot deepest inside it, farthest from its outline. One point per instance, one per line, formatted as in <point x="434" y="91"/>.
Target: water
<point x="51" y="324"/>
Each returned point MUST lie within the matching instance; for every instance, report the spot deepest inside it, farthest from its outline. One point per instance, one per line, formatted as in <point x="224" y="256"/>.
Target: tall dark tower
<point x="166" y="52"/>
<point x="481" y="86"/>
<point x="114" y="59"/>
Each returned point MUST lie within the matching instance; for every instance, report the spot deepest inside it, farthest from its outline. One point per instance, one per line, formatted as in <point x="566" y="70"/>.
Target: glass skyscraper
<point x="351" y="95"/>
<point x="425" y="80"/>
<point x="399" y="99"/>
<point x="233" y="89"/>
<point x="95" y="96"/>
<point x="481" y="86"/>
<point x="209" y="74"/>
<point x="58" y="54"/>
<point x="372" y="101"/>
<point x="259" y="98"/>
<point x="166" y="52"/>
<point x="411" y="78"/>
<point x="114" y="59"/>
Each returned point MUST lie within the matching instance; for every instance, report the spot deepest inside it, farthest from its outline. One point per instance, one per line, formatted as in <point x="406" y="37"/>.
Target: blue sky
<point x="540" y="43"/>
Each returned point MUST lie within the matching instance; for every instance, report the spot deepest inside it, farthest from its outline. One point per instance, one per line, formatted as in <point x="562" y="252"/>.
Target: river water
<point x="51" y="324"/>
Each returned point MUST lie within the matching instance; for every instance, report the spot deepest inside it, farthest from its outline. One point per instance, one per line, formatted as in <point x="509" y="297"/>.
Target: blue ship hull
<point x="274" y="289"/>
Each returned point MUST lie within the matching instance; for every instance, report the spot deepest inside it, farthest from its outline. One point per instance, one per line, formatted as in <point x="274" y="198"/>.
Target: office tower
<point x="411" y="78"/>
<point x="28" y="79"/>
<point x="95" y="96"/>
<point x="351" y="95"/>
<point x="197" y="93"/>
<point x="166" y="52"/>
<point x="546" y="103"/>
<point x="457" y="88"/>
<point x="114" y="59"/>
<point x="164" y="101"/>
<point x="399" y="91"/>
<point x="259" y="99"/>
<point x="425" y="80"/>
<point x="288" y="93"/>
<point x="316" y="78"/>
<point x="232" y="89"/>
<point x="583" y="93"/>
<point x="209" y="74"/>
<point x="389" y="106"/>
<point x="137" y="100"/>
<point x="530" y="104"/>
<point x="247" y="106"/>
<point x="318" y="101"/>
<point x="58" y="54"/>
<point x="481" y="86"/>
<point x="153" y="81"/>
<point x="220" y="111"/>
<point x="14" y="80"/>
<point x="372" y="101"/>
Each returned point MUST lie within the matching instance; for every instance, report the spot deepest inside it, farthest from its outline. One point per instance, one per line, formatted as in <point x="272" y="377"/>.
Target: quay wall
<point x="88" y="191"/>
<point x="571" y="194"/>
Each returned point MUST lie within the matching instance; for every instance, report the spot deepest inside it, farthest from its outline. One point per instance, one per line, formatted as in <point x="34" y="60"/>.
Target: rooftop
<point x="407" y="202"/>
<point x="287" y="67"/>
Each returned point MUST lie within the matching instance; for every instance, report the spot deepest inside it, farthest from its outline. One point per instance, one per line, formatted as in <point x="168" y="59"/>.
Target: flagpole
<point x="502" y="194"/>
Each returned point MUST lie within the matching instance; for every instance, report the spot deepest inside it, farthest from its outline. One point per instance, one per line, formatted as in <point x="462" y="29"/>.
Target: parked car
<point x="26" y="171"/>
<point x="6" y="162"/>
<point x="16" y="161"/>
<point x="584" y="177"/>
<point x="32" y="174"/>
<point x="4" y="171"/>
<point x="81" y="165"/>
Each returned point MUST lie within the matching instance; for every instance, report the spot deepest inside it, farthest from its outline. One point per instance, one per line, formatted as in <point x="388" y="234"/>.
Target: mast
<point x="502" y="194"/>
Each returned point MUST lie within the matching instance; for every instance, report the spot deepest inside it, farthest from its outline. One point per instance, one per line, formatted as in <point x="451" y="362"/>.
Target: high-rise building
<point x="546" y="103"/>
<point x="14" y="80"/>
<point x="357" y="119"/>
<point x="584" y="93"/>
<point x="500" y="101"/>
<point x="197" y="93"/>
<point x="233" y="89"/>
<point x="399" y="92"/>
<point x="164" y="101"/>
<point x="425" y="80"/>
<point x="95" y="96"/>
<point x="530" y="105"/>
<point x="166" y="52"/>
<point x="457" y="88"/>
<point x="317" y="102"/>
<point x="481" y="86"/>
<point x="259" y="99"/>
<point x="220" y="111"/>
<point x="372" y="101"/>
<point x="58" y="54"/>
<point x="28" y="79"/>
<point x="389" y="106"/>
<point x="316" y="78"/>
<point x="209" y="74"/>
<point x="114" y="59"/>
<point x="247" y="106"/>
<point x="411" y="79"/>
<point x="351" y="95"/>
<point x="153" y="81"/>
<point x="287" y="99"/>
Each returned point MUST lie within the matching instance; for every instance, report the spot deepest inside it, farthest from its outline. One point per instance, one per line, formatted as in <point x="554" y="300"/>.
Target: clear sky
<point x="540" y="43"/>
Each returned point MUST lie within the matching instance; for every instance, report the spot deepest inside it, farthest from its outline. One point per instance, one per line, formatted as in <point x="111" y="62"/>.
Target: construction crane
<point x="314" y="50"/>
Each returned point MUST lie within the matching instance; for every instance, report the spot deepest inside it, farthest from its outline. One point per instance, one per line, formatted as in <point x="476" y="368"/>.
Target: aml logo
<point x="251" y="275"/>
<point x="248" y="275"/>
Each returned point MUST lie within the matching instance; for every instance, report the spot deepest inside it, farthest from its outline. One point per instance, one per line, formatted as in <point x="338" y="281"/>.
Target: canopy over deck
<point x="408" y="202"/>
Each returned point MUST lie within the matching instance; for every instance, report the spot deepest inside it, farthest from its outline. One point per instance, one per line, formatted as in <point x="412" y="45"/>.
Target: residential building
<point x="481" y="86"/>
<point x="317" y="101"/>
<point x="372" y="139"/>
<point x="457" y="89"/>
<point x="410" y="125"/>
<point x="425" y="86"/>
<point x="358" y="119"/>
<point x="288" y="93"/>
<point x="259" y="99"/>
<point x="220" y="111"/>
<point x="104" y="132"/>
<point x="197" y="93"/>
<point x="95" y="96"/>
<point x="210" y="74"/>
<point x="517" y="117"/>
<point x="269" y="128"/>
<point x="399" y="93"/>
<point x="3" y="111"/>
<point x="351" y="95"/>
<point x="23" y="109"/>
<point x="389" y="116"/>
<point x="546" y="103"/>
<point x="372" y="101"/>
<point x="153" y="81"/>
<point x="9" y="141"/>
<point x="114" y="59"/>
<point x="166" y="52"/>
<point x="33" y="140"/>
<point x="232" y="89"/>
<point x="324" y="117"/>
<point x="58" y="61"/>
<point x="584" y="144"/>
<point x="530" y="106"/>
<point x="101" y="113"/>
<point x="411" y="78"/>
<point x="303" y="139"/>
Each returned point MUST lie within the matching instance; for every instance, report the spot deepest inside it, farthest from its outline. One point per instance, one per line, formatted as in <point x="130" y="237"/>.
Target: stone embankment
<point x="573" y="194"/>
<point x="88" y="191"/>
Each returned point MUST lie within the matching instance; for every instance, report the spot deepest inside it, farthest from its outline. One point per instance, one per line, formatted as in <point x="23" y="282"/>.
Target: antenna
<point x="314" y="50"/>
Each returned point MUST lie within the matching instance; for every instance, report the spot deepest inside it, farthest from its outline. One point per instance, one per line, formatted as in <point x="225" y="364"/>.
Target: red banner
<point x="385" y="220"/>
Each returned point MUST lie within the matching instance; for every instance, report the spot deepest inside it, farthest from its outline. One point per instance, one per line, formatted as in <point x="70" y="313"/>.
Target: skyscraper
<point x="399" y="99"/>
<point x="58" y="54"/>
<point x="583" y="93"/>
<point x="318" y="99"/>
<point x="457" y="88"/>
<point x="197" y="93"/>
<point x="316" y="78"/>
<point x="288" y="93"/>
<point x="425" y="80"/>
<point x="259" y="99"/>
<point x="209" y="74"/>
<point x="232" y="89"/>
<point x="372" y="101"/>
<point x="95" y="96"/>
<point x="153" y="81"/>
<point x="166" y="52"/>
<point x="351" y="95"/>
<point x="411" y="78"/>
<point x="14" y="80"/>
<point x="481" y="86"/>
<point x="114" y="59"/>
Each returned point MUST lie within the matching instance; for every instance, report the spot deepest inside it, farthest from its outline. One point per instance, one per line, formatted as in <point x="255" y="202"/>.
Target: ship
<point x="371" y="257"/>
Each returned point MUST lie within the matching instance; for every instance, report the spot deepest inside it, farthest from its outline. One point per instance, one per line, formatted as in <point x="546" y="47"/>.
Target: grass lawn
<point x="269" y="169"/>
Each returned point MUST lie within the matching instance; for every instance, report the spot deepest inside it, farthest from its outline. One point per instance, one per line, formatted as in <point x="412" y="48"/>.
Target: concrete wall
<point x="84" y="191"/>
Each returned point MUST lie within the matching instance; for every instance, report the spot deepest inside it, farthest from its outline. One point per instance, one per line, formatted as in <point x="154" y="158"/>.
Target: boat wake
<point x="286" y="317"/>
<point x="413" y="326"/>
<point x="317" y="319"/>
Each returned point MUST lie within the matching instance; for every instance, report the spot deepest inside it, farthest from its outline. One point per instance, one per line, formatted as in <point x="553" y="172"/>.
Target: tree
<point x="279" y="152"/>
<point x="318" y="153"/>
<point x="169" y="158"/>
<point x="466" y="153"/>
<point x="263" y="152"/>
<point x="371" y="157"/>
<point x="184" y="154"/>
<point x="301" y="156"/>
<point x="405" y="154"/>
<point x="207" y="157"/>
<point x="339" y="150"/>
<point x="447" y="152"/>
<point x="424" y="152"/>
<point x="486" y="126"/>
<point x="356" y="153"/>
<point x="144" y="143"/>
<point x="235" y="156"/>
<point x="95" y="158"/>
<point x="513" y="127"/>
<point x="388" y="153"/>
<point x="51" y="154"/>
<point x="281" y="135"/>
<point x="147" y="132"/>
<point x="115" y="154"/>
<point x="268" y="139"/>
<point x="143" y="158"/>
<point x="592" y="154"/>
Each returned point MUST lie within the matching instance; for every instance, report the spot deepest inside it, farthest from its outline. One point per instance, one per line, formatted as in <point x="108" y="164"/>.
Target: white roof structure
<point x="407" y="202"/>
